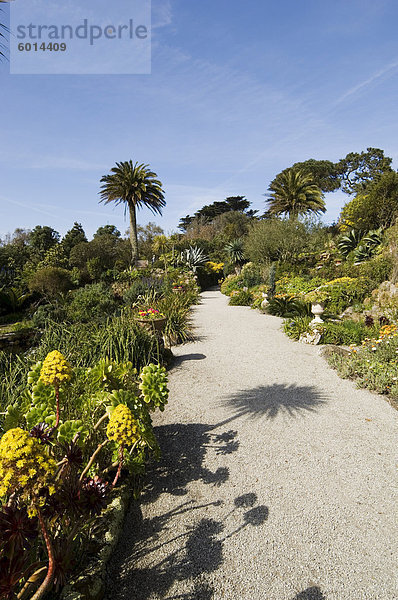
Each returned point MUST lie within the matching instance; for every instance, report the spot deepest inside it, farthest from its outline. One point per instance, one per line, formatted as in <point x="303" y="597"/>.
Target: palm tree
<point x="294" y="193"/>
<point x="136" y="186"/>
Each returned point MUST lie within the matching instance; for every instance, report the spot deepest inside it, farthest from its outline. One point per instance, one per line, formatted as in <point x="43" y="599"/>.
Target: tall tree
<point x="294" y="193"/>
<point x="324" y="173"/>
<point x="134" y="185"/>
<point x="73" y="237"/>
<point x="42" y="238"/>
<point x="376" y="207"/>
<point x="358" y="170"/>
<point x="107" y="230"/>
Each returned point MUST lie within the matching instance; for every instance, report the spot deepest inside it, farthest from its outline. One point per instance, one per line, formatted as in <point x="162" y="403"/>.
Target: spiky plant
<point x="193" y="257"/>
<point x="135" y="186"/>
<point x="294" y="193"/>
<point x="235" y="253"/>
<point x="349" y="242"/>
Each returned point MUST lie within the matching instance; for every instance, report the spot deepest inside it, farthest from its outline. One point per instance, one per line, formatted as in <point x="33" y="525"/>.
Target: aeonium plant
<point x="54" y="480"/>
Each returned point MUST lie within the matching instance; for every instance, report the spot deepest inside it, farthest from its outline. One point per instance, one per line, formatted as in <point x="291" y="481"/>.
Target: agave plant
<point x="193" y="257"/>
<point x="349" y="242"/>
<point x="373" y="238"/>
<point x="235" y="253"/>
<point x="364" y="252"/>
<point x="368" y="248"/>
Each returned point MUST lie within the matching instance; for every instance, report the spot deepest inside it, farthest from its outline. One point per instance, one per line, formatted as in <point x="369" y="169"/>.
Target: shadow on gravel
<point x="199" y="551"/>
<point x="186" y="555"/>
<point x="312" y="593"/>
<point x="183" y="452"/>
<point x="178" y="360"/>
<point x="269" y="401"/>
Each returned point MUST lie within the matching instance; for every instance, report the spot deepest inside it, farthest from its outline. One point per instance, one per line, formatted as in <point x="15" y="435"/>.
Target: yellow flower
<point x="122" y="426"/>
<point x="24" y="465"/>
<point x="55" y="369"/>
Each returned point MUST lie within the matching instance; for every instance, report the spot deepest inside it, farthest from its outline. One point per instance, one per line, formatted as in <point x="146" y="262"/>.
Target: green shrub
<point x="287" y="306"/>
<point x="297" y="326"/>
<point x="84" y="344"/>
<point x="230" y="284"/>
<point x="241" y="298"/>
<point x="176" y="307"/>
<point x="143" y="286"/>
<point x="51" y="281"/>
<point x="295" y="285"/>
<point x="251" y="275"/>
<point x="345" y="333"/>
<point x="374" y="365"/>
<point x="92" y="302"/>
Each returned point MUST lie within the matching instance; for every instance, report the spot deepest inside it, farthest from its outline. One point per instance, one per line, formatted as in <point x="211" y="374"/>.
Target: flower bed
<point x="68" y="441"/>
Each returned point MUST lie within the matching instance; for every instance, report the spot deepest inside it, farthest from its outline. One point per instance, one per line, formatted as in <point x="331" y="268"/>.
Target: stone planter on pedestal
<point x="317" y="309"/>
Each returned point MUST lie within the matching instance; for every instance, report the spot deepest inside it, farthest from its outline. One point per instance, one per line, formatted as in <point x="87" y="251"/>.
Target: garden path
<point x="277" y="477"/>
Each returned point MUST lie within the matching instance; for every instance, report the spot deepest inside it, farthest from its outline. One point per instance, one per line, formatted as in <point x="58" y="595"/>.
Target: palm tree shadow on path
<point x="312" y="593"/>
<point x="269" y="401"/>
<point x="153" y="554"/>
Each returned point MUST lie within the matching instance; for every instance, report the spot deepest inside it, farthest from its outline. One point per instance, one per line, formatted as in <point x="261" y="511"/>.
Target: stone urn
<point x="265" y="300"/>
<point x="317" y="309"/>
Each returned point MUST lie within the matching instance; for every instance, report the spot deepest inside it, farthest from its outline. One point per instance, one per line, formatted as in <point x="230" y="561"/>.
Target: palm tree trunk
<point x="133" y="233"/>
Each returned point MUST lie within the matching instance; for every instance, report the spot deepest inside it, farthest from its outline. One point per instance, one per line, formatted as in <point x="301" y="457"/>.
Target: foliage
<point x="323" y="173"/>
<point x="93" y="302"/>
<point x="208" y="213"/>
<point x="50" y="473"/>
<point x="117" y="338"/>
<point x="294" y="193"/>
<point x="241" y="298"/>
<point x="231" y="283"/>
<point x="176" y="307"/>
<point x="295" y="327"/>
<point x="153" y="386"/>
<point x="42" y="239"/>
<point x="251" y="275"/>
<point x="153" y="285"/>
<point x="374" y="364"/>
<point x="340" y="293"/>
<point x="348" y="242"/>
<point x="345" y="332"/>
<point x="296" y="285"/>
<point x="278" y="240"/>
<point x="235" y="253"/>
<point x="193" y="258"/>
<point x="376" y="206"/>
<point x="357" y="170"/>
<point x="287" y="306"/>
<point x="73" y="237"/>
<point x="50" y="282"/>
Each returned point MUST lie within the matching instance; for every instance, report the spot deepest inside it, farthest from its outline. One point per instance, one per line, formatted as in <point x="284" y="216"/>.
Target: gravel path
<point x="277" y="480"/>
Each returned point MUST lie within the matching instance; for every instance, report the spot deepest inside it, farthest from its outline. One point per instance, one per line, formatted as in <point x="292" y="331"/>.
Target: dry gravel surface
<point x="278" y="478"/>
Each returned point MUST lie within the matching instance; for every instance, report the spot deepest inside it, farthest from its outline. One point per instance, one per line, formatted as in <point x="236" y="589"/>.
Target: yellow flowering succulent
<point x="55" y="369"/>
<point x="122" y="426"/>
<point x="25" y="465"/>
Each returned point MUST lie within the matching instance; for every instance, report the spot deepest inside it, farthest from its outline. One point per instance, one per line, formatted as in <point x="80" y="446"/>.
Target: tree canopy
<point x="359" y="169"/>
<point x="375" y="207"/>
<point x="294" y="193"/>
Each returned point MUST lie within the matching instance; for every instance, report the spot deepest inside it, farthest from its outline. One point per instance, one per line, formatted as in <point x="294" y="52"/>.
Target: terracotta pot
<point x="152" y="324"/>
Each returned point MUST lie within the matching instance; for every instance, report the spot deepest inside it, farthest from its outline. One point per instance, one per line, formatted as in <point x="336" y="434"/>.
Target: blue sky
<point x="239" y="90"/>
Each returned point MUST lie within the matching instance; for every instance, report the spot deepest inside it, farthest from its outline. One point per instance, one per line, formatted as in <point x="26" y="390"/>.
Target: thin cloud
<point x="367" y="82"/>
